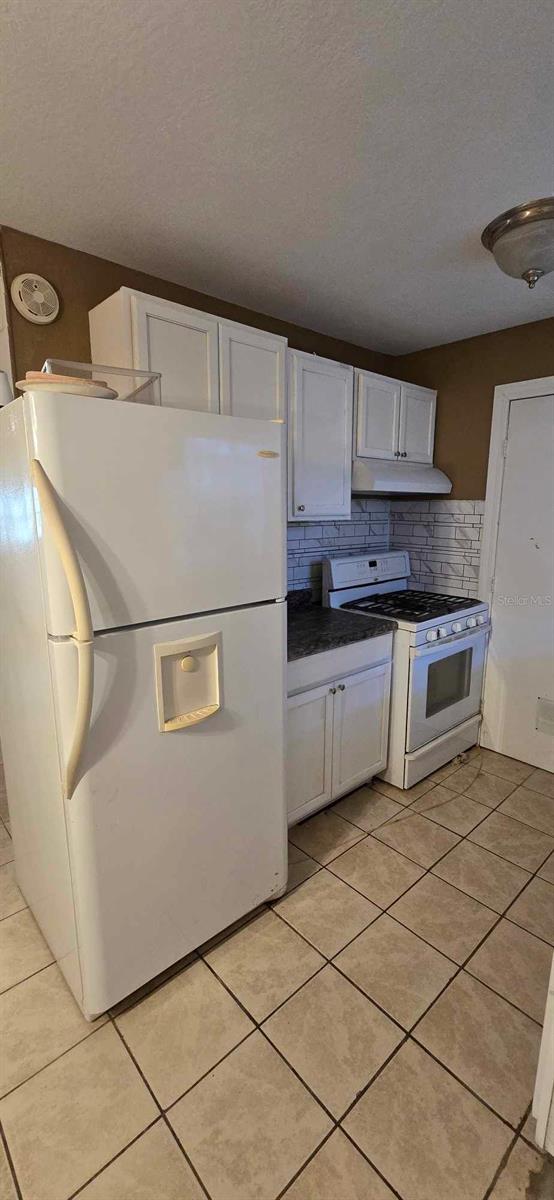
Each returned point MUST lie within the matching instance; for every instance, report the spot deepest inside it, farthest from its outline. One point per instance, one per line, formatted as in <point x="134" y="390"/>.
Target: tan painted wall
<point x="465" y="373"/>
<point x="82" y="280"/>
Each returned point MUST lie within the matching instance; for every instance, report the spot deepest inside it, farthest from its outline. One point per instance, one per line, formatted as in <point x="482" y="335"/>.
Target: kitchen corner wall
<point x="465" y="373"/>
<point x="443" y="538"/>
<point x="83" y="280"/>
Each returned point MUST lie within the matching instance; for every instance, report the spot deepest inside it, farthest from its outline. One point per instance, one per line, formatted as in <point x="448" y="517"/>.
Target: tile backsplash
<point x="443" y="538"/>
<point x="444" y="541"/>
<point x="308" y="544"/>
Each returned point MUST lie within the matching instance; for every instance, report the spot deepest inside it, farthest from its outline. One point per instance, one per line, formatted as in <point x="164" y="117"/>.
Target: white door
<point x="378" y="416"/>
<point x="321" y="437"/>
<point x="173" y="835"/>
<point x="519" y="688"/>
<point x="308" y="753"/>
<point x="417" y="424"/>
<point x="182" y="344"/>
<point x="170" y="512"/>
<point x="543" y="1099"/>
<point x="360" y="727"/>
<point x="252" y="372"/>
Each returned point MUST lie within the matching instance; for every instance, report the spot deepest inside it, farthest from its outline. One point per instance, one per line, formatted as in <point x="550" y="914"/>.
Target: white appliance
<point x="143" y="681"/>
<point x="439" y="651"/>
<point x="378" y="476"/>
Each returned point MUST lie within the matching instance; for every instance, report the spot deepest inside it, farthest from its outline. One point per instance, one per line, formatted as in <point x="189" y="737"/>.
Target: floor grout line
<point x="306" y="1162"/>
<point x="506" y="1156"/>
<point x="408" y="1035"/>
<point x="371" y="1164"/>
<point x="11" y="1165"/>
<point x="387" y="910"/>
<point x="12" y="914"/>
<point x="159" y="1107"/>
<point x="115" y="1157"/>
<point x="57" y="1058"/>
<point x="52" y="963"/>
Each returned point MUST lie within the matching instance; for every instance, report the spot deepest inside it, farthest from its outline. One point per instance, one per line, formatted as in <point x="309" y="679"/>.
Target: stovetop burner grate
<point x="410" y="605"/>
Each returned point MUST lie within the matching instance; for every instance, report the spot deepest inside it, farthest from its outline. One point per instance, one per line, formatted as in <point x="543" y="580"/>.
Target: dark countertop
<point x="313" y="629"/>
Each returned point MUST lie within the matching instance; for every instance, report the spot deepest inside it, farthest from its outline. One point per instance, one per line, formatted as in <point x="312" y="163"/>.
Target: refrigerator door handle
<point x="83" y="636"/>
<point x="83" y="712"/>
<point x="53" y="521"/>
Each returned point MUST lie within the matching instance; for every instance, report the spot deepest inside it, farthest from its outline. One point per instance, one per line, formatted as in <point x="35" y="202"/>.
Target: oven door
<point x="446" y="680"/>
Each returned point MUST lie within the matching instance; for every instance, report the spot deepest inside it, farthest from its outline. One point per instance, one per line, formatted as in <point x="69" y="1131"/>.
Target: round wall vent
<point x="35" y="298"/>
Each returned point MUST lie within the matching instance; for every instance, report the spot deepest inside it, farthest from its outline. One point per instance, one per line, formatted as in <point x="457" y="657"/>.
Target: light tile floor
<point x="372" y="1034"/>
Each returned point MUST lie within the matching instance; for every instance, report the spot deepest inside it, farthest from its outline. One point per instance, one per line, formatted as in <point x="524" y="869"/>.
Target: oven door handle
<point x="444" y="643"/>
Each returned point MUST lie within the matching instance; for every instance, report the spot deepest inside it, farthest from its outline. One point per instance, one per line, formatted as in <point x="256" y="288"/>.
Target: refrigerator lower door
<point x="174" y="833"/>
<point x="157" y="503"/>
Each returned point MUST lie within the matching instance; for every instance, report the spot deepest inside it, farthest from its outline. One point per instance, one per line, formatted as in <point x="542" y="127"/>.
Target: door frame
<point x="527" y="389"/>
<point x="504" y="395"/>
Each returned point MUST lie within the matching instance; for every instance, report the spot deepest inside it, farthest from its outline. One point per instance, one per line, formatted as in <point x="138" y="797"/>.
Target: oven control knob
<point x="457" y="627"/>
<point x="431" y="635"/>
<point x="481" y="619"/>
<point x="471" y="622"/>
<point x="443" y="631"/>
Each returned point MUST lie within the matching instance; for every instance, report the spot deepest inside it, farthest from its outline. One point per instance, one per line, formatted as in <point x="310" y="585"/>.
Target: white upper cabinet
<point x="394" y="420"/>
<point x="378" y="423"/>
<point x="252" y="368"/>
<point x="417" y="423"/>
<point x="182" y="344"/>
<point x="320" y="437"/>
<point x="205" y="364"/>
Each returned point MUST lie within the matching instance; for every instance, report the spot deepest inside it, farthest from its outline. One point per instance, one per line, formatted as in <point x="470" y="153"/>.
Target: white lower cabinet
<point x="309" y="749"/>
<point x="360" y="727"/>
<point x="337" y="737"/>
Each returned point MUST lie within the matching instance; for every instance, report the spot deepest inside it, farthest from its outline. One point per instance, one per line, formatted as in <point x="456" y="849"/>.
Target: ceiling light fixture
<point x="522" y="240"/>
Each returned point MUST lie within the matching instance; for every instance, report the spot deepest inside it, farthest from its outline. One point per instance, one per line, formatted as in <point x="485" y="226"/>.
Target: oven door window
<point x="444" y="687"/>
<point x="448" y="681"/>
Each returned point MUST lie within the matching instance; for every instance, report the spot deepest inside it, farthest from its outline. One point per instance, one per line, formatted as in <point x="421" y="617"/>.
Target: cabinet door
<point x="360" y="727"/>
<point x="320" y="474"/>
<point x="417" y="423"/>
<point x="309" y="745"/>
<point x="378" y="416"/>
<point x="252" y="372"/>
<point x="182" y="344"/>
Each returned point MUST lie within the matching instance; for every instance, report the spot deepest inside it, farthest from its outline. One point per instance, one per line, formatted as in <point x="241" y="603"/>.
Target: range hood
<point x="379" y="475"/>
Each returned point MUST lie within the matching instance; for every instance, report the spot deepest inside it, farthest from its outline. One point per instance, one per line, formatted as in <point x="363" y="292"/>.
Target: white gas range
<point x="439" y="652"/>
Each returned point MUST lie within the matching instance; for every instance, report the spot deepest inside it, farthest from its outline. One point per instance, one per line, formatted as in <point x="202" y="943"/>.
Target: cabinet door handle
<point x="332" y="691"/>
<point x="404" y="454"/>
<point x="342" y="687"/>
<point x="397" y="453"/>
<point x="300" y="507"/>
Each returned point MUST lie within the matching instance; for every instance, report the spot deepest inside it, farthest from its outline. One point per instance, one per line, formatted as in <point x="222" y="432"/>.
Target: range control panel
<point x="447" y="630"/>
<point x="353" y="572"/>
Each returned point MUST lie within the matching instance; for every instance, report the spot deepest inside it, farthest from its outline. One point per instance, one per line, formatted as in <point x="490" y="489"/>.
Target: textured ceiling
<point x="331" y="162"/>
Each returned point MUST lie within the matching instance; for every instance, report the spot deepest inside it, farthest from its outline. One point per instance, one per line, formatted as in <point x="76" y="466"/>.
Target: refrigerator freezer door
<point x="173" y="835"/>
<point x="170" y="512"/>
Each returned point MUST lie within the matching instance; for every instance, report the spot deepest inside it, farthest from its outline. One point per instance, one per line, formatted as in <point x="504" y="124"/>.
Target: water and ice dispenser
<point x="187" y="681"/>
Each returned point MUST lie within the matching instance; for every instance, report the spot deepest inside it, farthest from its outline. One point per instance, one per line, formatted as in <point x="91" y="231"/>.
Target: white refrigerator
<point x="143" y="678"/>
